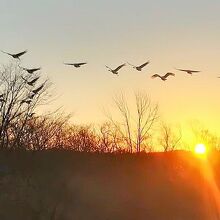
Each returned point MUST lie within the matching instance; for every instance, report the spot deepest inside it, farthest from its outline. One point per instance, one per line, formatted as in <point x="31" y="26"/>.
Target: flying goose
<point x="115" y="71"/>
<point x="17" y="55"/>
<point x="27" y="101"/>
<point x="31" y="70"/>
<point x="188" y="71"/>
<point x="77" y="65"/>
<point x="35" y="91"/>
<point x="31" y="83"/>
<point x="139" y="68"/>
<point x="164" y="78"/>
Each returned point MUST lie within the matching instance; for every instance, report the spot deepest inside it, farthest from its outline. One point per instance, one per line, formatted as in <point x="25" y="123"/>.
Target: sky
<point x="171" y="33"/>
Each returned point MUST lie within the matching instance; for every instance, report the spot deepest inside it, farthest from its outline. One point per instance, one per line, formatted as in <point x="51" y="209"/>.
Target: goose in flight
<point x="31" y="83"/>
<point x="16" y="55"/>
<point x="188" y="71"/>
<point x="27" y="101"/>
<point x="115" y="71"/>
<point x="139" y="68"/>
<point x="164" y="78"/>
<point x="35" y="91"/>
<point x="31" y="70"/>
<point x="77" y="65"/>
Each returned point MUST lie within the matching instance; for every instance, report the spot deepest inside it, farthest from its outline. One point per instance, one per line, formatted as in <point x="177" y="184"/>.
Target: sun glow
<point x="200" y="149"/>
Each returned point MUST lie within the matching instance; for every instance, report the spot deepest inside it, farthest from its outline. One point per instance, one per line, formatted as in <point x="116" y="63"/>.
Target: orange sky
<point x="168" y="33"/>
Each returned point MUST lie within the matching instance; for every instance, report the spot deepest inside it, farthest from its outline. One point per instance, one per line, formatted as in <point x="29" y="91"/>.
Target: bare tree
<point x="18" y="101"/>
<point x="136" y="128"/>
<point x="122" y="105"/>
<point x="168" y="139"/>
<point x="205" y="136"/>
<point x="109" y="138"/>
<point x="44" y="132"/>
<point x="147" y="113"/>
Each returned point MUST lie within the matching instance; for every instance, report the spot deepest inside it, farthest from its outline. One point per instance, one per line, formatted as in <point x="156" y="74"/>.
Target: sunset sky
<point x="171" y="33"/>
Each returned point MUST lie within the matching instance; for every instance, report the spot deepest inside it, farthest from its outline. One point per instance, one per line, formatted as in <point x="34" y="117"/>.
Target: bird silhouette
<point x="164" y="78"/>
<point x="188" y="71"/>
<point x="31" y="70"/>
<point x="139" y="68"/>
<point x="35" y="91"/>
<point x="115" y="71"/>
<point x="31" y="83"/>
<point x="77" y="65"/>
<point x="17" y="55"/>
<point x="27" y="101"/>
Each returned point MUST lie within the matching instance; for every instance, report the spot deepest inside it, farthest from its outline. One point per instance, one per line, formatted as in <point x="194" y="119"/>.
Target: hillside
<point x="67" y="185"/>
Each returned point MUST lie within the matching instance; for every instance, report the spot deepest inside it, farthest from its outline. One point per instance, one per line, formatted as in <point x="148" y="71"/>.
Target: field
<point x="67" y="185"/>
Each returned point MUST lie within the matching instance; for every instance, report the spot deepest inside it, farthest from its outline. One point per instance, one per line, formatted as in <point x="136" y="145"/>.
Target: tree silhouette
<point x="135" y="128"/>
<point x="18" y="102"/>
<point x="169" y="139"/>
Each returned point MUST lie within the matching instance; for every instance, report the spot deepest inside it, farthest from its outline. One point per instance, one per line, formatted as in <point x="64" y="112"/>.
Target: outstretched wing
<point x="38" y="89"/>
<point x="168" y="74"/>
<point x="119" y="67"/>
<point x="70" y="64"/>
<point x="189" y="71"/>
<point x="21" y="53"/>
<point x="6" y="53"/>
<point x="155" y="75"/>
<point x="33" y="80"/>
<point x="35" y="69"/>
<point x="80" y="64"/>
<point x="108" y="68"/>
<point x="194" y="71"/>
<point x="143" y="65"/>
<point x="23" y="101"/>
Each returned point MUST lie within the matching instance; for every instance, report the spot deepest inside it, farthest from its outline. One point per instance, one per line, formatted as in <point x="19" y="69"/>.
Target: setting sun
<point x="200" y="149"/>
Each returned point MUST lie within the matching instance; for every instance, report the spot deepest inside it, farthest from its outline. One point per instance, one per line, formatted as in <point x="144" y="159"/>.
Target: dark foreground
<point x="78" y="186"/>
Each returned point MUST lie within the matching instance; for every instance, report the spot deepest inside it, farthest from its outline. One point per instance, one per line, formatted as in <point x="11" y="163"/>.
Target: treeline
<point x="55" y="132"/>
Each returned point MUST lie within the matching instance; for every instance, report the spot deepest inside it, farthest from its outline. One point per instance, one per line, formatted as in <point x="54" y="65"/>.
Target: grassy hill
<point x="67" y="185"/>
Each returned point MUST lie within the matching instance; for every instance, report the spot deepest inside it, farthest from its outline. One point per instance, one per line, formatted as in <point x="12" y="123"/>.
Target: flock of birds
<point x="138" y="68"/>
<point x="29" y="82"/>
<point x="114" y="71"/>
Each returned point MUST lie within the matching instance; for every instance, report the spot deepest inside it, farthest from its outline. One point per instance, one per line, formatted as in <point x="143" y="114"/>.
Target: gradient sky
<point x="171" y="33"/>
